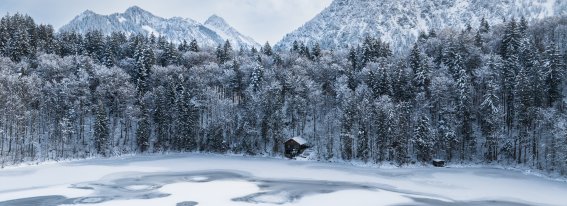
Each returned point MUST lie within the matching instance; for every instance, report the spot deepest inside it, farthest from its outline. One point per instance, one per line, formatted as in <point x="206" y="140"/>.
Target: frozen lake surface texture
<point x="187" y="180"/>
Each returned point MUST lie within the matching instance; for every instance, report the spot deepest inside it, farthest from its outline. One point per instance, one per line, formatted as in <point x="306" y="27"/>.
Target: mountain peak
<point x="136" y="10"/>
<point x="216" y="20"/>
<point x="85" y="14"/>
<point x="136" y="20"/>
<point x="88" y="12"/>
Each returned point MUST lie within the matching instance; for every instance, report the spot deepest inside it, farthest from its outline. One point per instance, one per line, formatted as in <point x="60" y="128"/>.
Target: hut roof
<point x="299" y="140"/>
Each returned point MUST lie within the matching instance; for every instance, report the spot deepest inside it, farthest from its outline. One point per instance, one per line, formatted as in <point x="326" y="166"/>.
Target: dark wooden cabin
<point x="295" y="146"/>
<point x="438" y="163"/>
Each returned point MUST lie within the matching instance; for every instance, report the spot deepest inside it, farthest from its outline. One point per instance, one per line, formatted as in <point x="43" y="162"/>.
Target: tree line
<point x="490" y="95"/>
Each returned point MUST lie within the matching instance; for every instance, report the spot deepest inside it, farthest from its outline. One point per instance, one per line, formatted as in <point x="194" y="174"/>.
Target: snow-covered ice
<point x="191" y="179"/>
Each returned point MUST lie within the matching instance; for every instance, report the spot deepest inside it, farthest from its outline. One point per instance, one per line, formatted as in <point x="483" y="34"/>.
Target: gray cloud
<point x="263" y="20"/>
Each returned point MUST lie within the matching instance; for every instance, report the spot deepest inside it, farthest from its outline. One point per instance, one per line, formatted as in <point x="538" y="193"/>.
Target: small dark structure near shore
<point x="438" y="163"/>
<point x="295" y="146"/>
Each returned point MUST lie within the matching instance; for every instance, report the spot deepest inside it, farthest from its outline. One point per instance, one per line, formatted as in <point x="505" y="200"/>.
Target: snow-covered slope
<point x="346" y="22"/>
<point x="219" y="25"/>
<point x="138" y="21"/>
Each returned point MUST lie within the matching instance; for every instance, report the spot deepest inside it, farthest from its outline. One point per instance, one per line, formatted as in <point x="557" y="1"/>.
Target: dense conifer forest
<point x="485" y="94"/>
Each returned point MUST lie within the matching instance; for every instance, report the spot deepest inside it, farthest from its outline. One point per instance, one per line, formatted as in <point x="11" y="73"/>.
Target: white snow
<point x="150" y="30"/>
<point x="345" y="22"/>
<point x="268" y="176"/>
<point x="549" y="5"/>
<point x="299" y="140"/>
<point x="175" y="29"/>
<point x="121" y="19"/>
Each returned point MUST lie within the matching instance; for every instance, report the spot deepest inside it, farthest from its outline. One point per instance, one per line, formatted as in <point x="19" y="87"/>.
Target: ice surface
<point x="221" y="180"/>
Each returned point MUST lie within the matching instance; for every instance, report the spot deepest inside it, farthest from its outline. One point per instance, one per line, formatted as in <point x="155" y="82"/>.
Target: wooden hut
<point x="438" y="163"/>
<point x="295" y="146"/>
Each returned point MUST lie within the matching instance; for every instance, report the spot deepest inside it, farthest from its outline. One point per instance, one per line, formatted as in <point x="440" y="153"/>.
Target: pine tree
<point x="468" y="143"/>
<point x="524" y="102"/>
<point x="421" y="71"/>
<point x="523" y="27"/>
<point x="364" y="106"/>
<point x="353" y="59"/>
<point x="220" y="54"/>
<point x="368" y="50"/>
<point x="347" y="126"/>
<point x="373" y="82"/>
<point x="94" y="45"/>
<point x="402" y="87"/>
<point x="184" y="46"/>
<point x="484" y="27"/>
<point x="555" y="72"/>
<point x="510" y="68"/>
<point x="161" y="119"/>
<point x="403" y="132"/>
<point x="187" y="119"/>
<point x="224" y="53"/>
<point x="267" y="49"/>
<point x="511" y="41"/>
<point x="227" y="48"/>
<point x="453" y="59"/>
<point x="295" y="47"/>
<point x="478" y="41"/>
<point x="144" y="60"/>
<point x="108" y="58"/>
<point x="491" y="114"/>
<point x="143" y="131"/>
<point x="446" y="140"/>
<point x="101" y="131"/>
<point x="257" y="77"/>
<point x="237" y="82"/>
<point x="423" y="140"/>
<point x="384" y="82"/>
<point x="193" y="46"/>
<point x="316" y="51"/>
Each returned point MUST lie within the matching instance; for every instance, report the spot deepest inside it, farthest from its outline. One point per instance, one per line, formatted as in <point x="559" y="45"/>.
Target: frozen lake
<point x="188" y="180"/>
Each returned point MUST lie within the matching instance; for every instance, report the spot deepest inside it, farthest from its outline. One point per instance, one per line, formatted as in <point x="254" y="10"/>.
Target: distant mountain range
<point x="347" y="22"/>
<point x="135" y="20"/>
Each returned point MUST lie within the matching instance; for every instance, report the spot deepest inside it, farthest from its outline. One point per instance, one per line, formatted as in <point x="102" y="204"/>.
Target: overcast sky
<point x="263" y="20"/>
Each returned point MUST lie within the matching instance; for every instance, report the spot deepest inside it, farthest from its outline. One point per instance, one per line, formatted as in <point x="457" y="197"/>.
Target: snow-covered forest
<point x="488" y="94"/>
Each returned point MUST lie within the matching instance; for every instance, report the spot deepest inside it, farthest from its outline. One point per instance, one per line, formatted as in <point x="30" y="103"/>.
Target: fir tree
<point x="257" y="77"/>
<point x="511" y="41"/>
<point x="184" y="46"/>
<point x="267" y="49"/>
<point x="316" y="51"/>
<point x="193" y="46"/>
<point x="101" y="131"/>
<point x="555" y="71"/>
<point x="468" y="143"/>
<point x="421" y="73"/>
<point x="423" y="140"/>
<point x="144" y="60"/>
<point x="347" y="137"/>
<point x="143" y="131"/>
<point x="484" y="27"/>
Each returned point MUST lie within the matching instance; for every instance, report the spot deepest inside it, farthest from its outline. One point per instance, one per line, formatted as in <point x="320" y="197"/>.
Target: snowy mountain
<point x="346" y="22"/>
<point x="138" y="21"/>
<point x="219" y="25"/>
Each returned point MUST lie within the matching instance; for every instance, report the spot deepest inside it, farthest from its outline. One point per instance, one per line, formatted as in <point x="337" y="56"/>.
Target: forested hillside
<point x="489" y="94"/>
